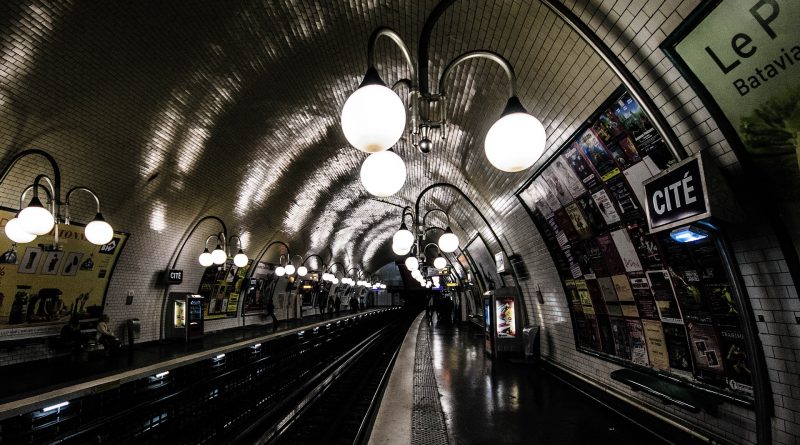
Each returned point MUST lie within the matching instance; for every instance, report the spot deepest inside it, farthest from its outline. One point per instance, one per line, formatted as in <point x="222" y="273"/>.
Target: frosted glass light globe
<point x="439" y="263"/>
<point x="240" y="260"/>
<point x="15" y="232"/>
<point x="290" y="269"/>
<point x="280" y="271"/>
<point x="205" y="259"/>
<point x="412" y="263"/>
<point x="98" y="231"/>
<point x="36" y="219"/>
<point x="335" y="280"/>
<point x="403" y="237"/>
<point x="373" y="118"/>
<point x="448" y="242"/>
<point x="400" y="250"/>
<point x="302" y="271"/>
<point x="383" y="286"/>
<point x="515" y="142"/>
<point x="383" y="174"/>
<point x="218" y="256"/>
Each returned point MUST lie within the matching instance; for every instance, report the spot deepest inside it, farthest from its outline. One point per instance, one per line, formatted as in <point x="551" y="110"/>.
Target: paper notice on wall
<point x="622" y="287"/>
<point x="563" y="171"/>
<point x="637" y="343"/>
<point x="626" y="250"/>
<point x="636" y="175"/>
<point x="656" y="344"/>
<point x="664" y="294"/>
<point x="606" y="207"/>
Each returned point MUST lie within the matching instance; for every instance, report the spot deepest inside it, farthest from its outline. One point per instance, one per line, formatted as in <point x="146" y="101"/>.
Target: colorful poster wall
<point x="260" y="288"/>
<point x="221" y="287"/>
<point x="40" y="288"/>
<point x="635" y="298"/>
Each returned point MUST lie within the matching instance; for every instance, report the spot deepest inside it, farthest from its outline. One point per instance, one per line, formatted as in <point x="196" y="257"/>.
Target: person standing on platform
<point x="271" y="313"/>
<point x="353" y="302"/>
<point x="323" y="300"/>
<point x="298" y="305"/>
<point x="429" y="307"/>
<point x="337" y="304"/>
<point x="330" y="304"/>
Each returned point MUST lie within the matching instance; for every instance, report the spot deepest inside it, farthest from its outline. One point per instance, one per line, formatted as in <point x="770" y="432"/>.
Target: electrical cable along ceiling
<point x="171" y="110"/>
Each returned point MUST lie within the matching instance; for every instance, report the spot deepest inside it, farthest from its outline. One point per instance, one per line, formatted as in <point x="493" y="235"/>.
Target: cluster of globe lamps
<point x="35" y="220"/>
<point x="373" y="120"/>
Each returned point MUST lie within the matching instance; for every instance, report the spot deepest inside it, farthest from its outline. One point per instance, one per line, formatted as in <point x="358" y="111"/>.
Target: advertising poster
<point x="596" y="155"/>
<point x="648" y="141"/>
<point x="625" y="199"/>
<point x="656" y="344"/>
<point x="484" y="264"/>
<point x="565" y="223"/>
<point x="680" y="358"/>
<point x="578" y="221"/>
<point x="636" y="175"/>
<point x="610" y="255"/>
<point x="623" y="288"/>
<point x="607" y="127"/>
<point x="738" y="376"/>
<point x="557" y="186"/>
<point x="705" y="347"/>
<point x="645" y="245"/>
<point x="690" y="297"/>
<point x="563" y="171"/>
<point x="661" y="286"/>
<point x="260" y="289"/>
<point x="637" y="342"/>
<point x="607" y="210"/>
<point x="41" y="289"/>
<point x="756" y="88"/>
<point x="619" y="331"/>
<point x="504" y="313"/>
<point x="643" y="297"/>
<point x="630" y="260"/>
<point x="220" y="287"/>
<point x="581" y="168"/>
<point x="591" y="213"/>
<point x="606" y="336"/>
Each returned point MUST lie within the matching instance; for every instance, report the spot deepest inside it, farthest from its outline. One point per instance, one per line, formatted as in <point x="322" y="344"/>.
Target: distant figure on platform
<point x="323" y="301"/>
<point x="337" y="304"/>
<point x="106" y="337"/>
<point x="72" y="337"/>
<point x="429" y="307"/>
<point x="271" y="313"/>
<point x="298" y="305"/>
<point x="331" y="303"/>
<point x="353" y="302"/>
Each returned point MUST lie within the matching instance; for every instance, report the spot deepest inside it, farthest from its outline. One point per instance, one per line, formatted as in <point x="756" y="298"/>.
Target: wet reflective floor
<point x="499" y="402"/>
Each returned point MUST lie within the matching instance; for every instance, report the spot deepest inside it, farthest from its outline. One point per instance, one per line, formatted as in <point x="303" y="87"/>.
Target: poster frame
<point x="108" y="281"/>
<point x="737" y="399"/>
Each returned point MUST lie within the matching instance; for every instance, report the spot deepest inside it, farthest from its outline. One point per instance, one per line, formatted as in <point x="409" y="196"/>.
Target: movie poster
<point x="656" y="344"/>
<point x="606" y="207"/>
<point x="578" y="221"/>
<point x="619" y="331"/>
<point x="735" y="360"/>
<point x="40" y="289"/>
<point x="563" y="171"/>
<point x="638" y="347"/>
<point x="626" y="250"/>
<point x="643" y="297"/>
<point x="706" y="351"/>
<point x="680" y="358"/>
<point x="592" y="213"/>
<point x="595" y="153"/>
<point x="667" y="305"/>
<point x="607" y="126"/>
<point x="557" y="187"/>
<point x="688" y="292"/>
<point x="647" y="140"/>
<point x="581" y="168"/>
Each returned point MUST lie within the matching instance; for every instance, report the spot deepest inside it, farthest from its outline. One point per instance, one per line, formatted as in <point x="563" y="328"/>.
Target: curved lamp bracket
<point x="481" y="54"/>
<point x="395" y="37"/>
<point x="79" y="189"/>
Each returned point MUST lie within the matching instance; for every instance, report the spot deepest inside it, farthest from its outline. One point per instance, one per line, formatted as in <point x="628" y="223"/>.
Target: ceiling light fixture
<point x="383" y="174"/>
<point x="373" y="116"/>
<point x="220" y="253"/>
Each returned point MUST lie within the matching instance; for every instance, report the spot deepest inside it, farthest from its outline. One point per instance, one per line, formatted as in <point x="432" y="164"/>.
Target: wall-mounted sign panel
<point x="677" y="196"/>
<point x="40" y="289"/>
<point x="500" y="262"/>
<point x="175" y="276"/>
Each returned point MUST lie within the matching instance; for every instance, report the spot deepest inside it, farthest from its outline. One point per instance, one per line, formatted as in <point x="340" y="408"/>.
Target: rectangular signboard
<point x="677" y="196"/>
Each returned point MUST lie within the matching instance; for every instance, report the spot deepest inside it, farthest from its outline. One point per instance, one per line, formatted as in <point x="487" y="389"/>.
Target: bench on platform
<point x="674" y="393"/>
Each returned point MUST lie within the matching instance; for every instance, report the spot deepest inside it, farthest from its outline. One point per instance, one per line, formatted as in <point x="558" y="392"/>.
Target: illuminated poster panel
<point x="40" y="289"/>
<point x="504" y="317"/>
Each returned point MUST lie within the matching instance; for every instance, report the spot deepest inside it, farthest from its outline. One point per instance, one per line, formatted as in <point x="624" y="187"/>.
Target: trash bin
<point x="134" y="330"/>
<point x="530" y="338"/>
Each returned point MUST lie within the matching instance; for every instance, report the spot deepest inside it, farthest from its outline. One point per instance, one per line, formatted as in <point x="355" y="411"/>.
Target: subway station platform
<point x="445" y="389"/>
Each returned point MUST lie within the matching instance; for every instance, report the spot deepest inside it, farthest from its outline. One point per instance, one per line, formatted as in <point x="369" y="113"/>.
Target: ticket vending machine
<point x="184" y="316"/>
<point x="502" y="329"/>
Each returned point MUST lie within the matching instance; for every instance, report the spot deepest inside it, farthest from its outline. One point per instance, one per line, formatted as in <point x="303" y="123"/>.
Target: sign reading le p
<point x="677" y="196"/>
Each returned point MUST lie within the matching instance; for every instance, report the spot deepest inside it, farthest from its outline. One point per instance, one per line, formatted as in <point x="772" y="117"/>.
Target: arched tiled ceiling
<point x="232" y="108"/>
